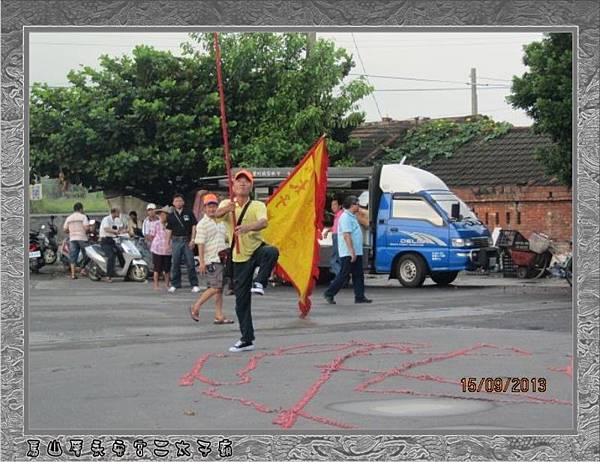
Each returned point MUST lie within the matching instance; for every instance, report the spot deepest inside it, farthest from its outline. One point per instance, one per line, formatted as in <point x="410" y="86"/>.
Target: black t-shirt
<point x="181" y="224"/>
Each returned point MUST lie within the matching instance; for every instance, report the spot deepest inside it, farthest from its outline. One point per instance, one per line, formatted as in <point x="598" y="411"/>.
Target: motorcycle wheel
<point x="94" y="272"/>
<point x="49" y="256"/>
<point x="138" y="273"/>
<point x="33" y="266"/>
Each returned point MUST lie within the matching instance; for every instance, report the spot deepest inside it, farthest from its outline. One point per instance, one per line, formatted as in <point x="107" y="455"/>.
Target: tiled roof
<point x="508" y="159"/>
<point x="374" y="136"/>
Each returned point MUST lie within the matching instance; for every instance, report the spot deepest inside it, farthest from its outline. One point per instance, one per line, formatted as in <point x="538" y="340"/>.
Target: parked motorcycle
<point x="49" y="245"/>
<point x="134" y="268"/>
<point x="144" y="249"/>
<point x="36" y="261"/>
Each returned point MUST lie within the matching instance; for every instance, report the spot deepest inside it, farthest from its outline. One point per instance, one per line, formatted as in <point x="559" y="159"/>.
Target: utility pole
<point x="311" y="38"/>
<point x="473" y="92"/>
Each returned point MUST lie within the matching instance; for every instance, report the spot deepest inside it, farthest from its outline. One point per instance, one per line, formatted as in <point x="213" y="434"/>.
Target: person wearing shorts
<point x="77" y="226"/>
<point x="160" y="248"/>
<point x="210" y="240"/>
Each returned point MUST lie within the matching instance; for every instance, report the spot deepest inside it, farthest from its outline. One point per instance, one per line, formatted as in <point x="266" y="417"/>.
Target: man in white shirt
<point x="77" y="226"/>
<point x="111" y="226"/>
<point x="149" y="221"/>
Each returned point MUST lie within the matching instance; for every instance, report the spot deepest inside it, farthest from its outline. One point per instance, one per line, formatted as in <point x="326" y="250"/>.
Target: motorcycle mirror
<point x="43" y="227"/>
<point x="52" y="217"/>
<point x="92" y="222"/>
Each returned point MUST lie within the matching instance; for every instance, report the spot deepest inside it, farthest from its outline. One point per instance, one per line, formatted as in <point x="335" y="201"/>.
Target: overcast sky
<point x="416" y="74"/>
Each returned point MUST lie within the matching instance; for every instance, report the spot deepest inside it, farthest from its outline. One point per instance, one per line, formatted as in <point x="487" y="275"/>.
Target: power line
<point x="440" y="89"/>
<point x="417" y="79"/>
<point x="498" y="80"/>
<point x="365" y="71"/>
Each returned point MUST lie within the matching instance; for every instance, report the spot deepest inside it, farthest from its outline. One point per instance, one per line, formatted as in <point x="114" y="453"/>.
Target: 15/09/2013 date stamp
<point x="503" y="384"/>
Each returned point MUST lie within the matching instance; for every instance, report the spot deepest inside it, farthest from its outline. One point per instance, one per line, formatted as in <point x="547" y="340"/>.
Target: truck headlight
<point x="462" y="242"/>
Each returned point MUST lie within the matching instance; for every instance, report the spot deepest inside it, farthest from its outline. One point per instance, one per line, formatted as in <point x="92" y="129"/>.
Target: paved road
<point x="121" y="358"/>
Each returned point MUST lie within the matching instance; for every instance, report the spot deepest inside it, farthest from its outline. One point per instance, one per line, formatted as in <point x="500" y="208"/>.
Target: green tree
<point x="544" y="92"/>
<point x="148" y="124"/>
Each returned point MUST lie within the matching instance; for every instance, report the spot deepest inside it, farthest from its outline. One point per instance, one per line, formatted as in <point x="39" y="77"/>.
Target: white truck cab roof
<point x="399" y="178"/>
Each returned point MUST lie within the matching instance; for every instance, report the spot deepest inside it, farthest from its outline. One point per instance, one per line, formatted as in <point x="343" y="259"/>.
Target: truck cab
<point x="421" y="229"/>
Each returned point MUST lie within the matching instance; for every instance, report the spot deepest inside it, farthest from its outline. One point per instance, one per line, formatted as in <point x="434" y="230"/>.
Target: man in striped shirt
<point x="210" y="239"/>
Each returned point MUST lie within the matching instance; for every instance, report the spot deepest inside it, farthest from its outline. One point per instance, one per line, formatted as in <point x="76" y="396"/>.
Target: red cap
<point x="210" y="199"/>
<point x="245" y="173"/>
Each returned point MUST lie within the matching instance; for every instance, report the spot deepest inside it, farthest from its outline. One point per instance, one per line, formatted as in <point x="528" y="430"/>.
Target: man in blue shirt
<point x="350" y="250"/>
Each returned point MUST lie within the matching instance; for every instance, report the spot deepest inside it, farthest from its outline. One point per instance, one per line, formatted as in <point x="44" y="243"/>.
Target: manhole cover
<point x="414" y="407"/>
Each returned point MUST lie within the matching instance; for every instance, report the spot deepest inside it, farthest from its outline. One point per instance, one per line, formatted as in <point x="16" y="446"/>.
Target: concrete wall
<point x="129" y="203"/>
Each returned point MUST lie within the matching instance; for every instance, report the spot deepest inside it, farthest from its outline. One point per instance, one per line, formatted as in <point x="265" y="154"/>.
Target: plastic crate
<point x="512" y="238"/>
<point x="509" y="269"/>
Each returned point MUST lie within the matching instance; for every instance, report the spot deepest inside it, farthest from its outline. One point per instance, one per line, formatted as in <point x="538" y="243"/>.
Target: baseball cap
<point x="210" y="199"/>
<point x="151" y="206"/>
<point x="245" y="173"/>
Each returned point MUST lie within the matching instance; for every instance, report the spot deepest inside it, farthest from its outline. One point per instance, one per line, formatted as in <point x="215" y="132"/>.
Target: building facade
<point x="500" y="178"/>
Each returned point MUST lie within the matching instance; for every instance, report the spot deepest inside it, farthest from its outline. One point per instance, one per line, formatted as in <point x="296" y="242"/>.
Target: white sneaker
<point x="241" y="346"/>
<point x="258" y="288"/>
<point x="195" y="289"/>
<point x="171" y="289"/>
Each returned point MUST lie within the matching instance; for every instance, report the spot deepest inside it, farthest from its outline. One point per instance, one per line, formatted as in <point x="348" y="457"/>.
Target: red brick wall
<point x="545" y="209"/>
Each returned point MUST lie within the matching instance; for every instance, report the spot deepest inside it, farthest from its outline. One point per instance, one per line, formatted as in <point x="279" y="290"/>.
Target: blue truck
<point x="420" y="229"/>
<point x="417" y="227"/>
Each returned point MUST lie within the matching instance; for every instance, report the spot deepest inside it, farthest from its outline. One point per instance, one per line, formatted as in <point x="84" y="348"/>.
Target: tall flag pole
<point x="224" y="131"/>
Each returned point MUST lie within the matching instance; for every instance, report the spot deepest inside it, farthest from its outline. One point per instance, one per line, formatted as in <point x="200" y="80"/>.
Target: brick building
<point x="500" y="179"/>
<point x="505" y="185"/>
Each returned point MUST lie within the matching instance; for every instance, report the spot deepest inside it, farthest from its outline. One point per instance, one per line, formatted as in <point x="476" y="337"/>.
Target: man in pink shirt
<point x="334" y="265"/>
<point x="77" y="225"/>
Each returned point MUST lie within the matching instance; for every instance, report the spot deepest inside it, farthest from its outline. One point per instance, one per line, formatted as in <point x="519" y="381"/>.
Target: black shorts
<point x="161" y="263"/>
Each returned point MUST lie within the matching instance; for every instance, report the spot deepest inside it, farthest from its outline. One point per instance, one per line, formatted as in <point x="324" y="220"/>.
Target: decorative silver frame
<point x="581" y="16"/>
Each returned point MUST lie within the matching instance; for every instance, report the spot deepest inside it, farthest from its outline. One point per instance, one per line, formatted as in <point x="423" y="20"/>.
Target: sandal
<point x="223" y="321"/>
<point x="74" y="277"/>
<point x="194" y="317"/>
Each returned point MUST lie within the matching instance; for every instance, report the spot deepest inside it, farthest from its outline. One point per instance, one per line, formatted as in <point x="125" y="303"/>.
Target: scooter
<point x="36" y="261"/>
<point x="49" y="246"/>
<point x="142" y="246"/>
<point x="134" y="268"/>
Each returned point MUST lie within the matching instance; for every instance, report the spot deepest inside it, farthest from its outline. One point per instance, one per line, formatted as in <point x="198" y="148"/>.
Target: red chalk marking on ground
<point x="565" y="370"/>
<point x="286" y="418"/>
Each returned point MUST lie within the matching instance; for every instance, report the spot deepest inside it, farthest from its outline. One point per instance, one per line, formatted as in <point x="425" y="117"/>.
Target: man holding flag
<point x="249" y="253"/>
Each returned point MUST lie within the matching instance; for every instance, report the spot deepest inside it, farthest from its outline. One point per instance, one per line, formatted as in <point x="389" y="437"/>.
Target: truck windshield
<point x="446" y="201"/>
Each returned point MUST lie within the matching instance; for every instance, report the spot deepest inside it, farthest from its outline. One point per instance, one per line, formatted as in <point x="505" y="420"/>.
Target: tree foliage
<point x="545" y="93"/>
<point x="148" y="124"/>
<point x="441" y="138"/>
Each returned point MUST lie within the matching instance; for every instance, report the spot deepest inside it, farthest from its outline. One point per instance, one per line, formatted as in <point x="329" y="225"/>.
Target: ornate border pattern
<point x="584" y="14"/>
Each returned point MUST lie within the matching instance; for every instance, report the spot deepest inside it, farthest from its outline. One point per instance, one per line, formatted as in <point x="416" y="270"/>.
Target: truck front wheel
<point x="444" y="278"/>
<point x="412" y="270"/>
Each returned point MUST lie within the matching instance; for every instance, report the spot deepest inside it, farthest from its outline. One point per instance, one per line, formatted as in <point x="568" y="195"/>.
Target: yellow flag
<point x="295" y="212"/>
